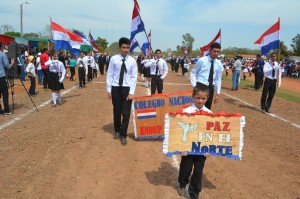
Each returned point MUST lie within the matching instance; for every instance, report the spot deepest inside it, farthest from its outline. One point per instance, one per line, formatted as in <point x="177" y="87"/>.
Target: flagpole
<point x="139" y="47"/>
<point x="148" y="40"/>
<point x="278" y="56"/>
<point x="51" y="35"/>
<point x="134" y="1"/>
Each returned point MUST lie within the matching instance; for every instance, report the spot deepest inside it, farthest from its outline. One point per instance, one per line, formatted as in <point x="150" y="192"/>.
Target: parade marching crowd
<point x="88" y="65"/>
<point x="52" y="68"/>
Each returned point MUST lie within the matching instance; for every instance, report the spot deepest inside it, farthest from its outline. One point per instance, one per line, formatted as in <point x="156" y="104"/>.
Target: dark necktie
<point x="273" y="70"/>
<point x="123" y="69"/>
<point x="156" y="69"/>
<point x="211" y="74"/>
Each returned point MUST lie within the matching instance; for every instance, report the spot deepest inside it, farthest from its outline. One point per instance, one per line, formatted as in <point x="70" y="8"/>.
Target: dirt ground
<point x="69" y="152"/>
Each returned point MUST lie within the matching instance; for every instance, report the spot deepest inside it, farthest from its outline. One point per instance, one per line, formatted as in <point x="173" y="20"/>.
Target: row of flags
<point x="74" y="41"/>
<point x="270" y="39"/>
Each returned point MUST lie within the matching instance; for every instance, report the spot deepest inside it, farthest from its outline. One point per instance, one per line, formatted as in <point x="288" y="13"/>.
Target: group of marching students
<point x="175" y="62"/>
<point x="50" y="68"/>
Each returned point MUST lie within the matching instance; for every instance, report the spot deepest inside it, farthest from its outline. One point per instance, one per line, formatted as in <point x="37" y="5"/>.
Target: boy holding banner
<point x="200" y="96"/>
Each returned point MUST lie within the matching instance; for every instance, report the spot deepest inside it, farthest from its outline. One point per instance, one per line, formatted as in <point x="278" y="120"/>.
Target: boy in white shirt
<point x="200" y="96"/>
<point x="30" y="69"/>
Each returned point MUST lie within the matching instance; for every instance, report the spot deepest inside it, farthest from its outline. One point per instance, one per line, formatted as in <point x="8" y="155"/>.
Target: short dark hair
<point x="200" y="88"/>
<point x="215" y="45"/>
<point x="273" y="54"/>
<point x="157" y="50"/>
<point x="258" y="55"/>
<point x="1" y="44"/>
<point x="124" y="40"/>
<point x="44" y="50"/>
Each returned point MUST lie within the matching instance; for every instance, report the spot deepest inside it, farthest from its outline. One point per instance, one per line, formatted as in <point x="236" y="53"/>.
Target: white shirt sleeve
<point x="109" y="76"/>
<point x="63" y="72"/>
<point x="165" y="70"/>
<point x="133" y="77"/>
<point x="149" y="63"/>
<point x="218" y="80"/>
<point x="194" y="72"/>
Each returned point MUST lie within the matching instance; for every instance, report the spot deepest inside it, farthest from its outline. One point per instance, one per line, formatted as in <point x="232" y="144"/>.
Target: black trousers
<point x="72" y="71"/>
<point x="46" y="76"/>
<point x="81" y="76"/>
<point x="121" y="107"/>
<point x="156" y="84"/>
<point x="101" y="68"/>
<point x="90" y="74"/>
<point x="186" y="165"/>
<point x="259" y="78"/>
<point x="32" y="85"/>
<point x="176" y="67"/>
<point x="269" y="90"/>
<point x="4" y="93"/>
<point x="210" y="95"/>
<point x="94" y="73"/>
<point x="182" y="69"/>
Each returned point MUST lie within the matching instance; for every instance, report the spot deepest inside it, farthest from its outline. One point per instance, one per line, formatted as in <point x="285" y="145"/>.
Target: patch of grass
<point x="281" y="93"/>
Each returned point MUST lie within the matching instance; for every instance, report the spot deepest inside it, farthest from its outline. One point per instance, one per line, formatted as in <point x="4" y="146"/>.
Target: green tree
<point x="102" y="43"/>
<point x="296" y="44"/>
<point x="6" y="28"/>
<point x="31" y="35"/>
<point x="17" y="34"/>
<point x="283" y="48"/>
<point x="187" y="42"/>
<point x="113" y="48"/>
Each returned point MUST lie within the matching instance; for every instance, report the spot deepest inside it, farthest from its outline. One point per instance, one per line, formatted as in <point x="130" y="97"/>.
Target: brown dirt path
<point x="68" y="151"/>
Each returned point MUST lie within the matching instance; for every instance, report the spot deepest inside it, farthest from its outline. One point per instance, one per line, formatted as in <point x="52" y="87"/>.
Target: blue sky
<point x="242" y="21"/>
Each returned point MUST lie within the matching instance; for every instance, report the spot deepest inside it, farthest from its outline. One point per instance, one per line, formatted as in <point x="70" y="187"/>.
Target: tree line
<point x="187" y="42"/>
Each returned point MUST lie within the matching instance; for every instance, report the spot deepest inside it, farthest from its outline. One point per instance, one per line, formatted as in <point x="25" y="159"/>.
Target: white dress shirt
<point x="56" y="66"/>
<point x="89" y="61"/>
<point x="30" y="69"/>
<point x="200" y="72"/>
<point x="82" y="63"/>
<point x="113" y="73"/>
<point x="162" y="67"/>
<point x="194" y="108"/>
<point x="38" y="62"/>
<point x="268" y="68"/>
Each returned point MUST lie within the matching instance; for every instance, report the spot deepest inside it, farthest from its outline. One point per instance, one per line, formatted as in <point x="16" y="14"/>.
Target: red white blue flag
<point x="93" y="42"/>
<point x="133" y="44"/>
<point x="64" y="39"/>
<point x="137" y="24"/>
<point x="146" y="114"/>
<point x="146" y="47"/>
<point x="205" y="49"/>
<point x="270" y="39"/>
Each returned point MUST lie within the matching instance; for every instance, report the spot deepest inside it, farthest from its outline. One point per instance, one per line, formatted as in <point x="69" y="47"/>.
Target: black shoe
<point x="181" y="191"/>
<point x="7" y="113"/>
<point x="123" y="141"/>
<point x="116" y="135"/>
<point x="267" y="110"/>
